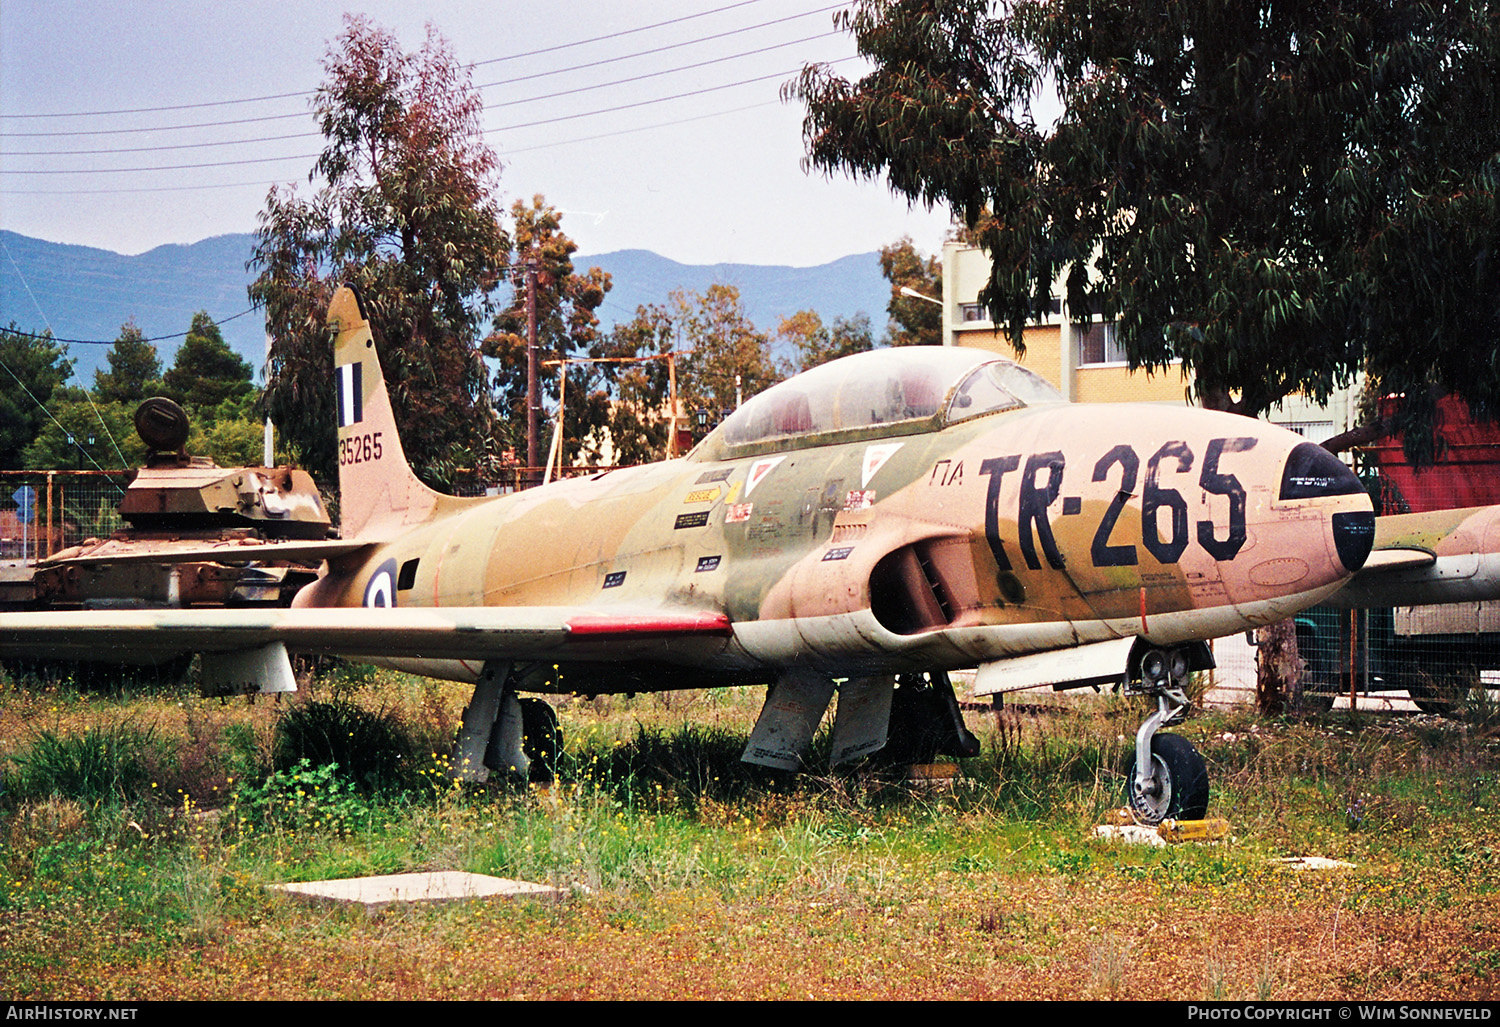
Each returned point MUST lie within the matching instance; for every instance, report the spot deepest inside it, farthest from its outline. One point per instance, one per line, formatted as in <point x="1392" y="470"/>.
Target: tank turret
<point x="178" y="503"/>
<point x="175" y="491"/>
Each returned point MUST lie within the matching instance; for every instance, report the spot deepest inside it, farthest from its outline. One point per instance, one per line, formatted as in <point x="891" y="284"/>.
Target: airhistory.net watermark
<point x="42" y="1011"/>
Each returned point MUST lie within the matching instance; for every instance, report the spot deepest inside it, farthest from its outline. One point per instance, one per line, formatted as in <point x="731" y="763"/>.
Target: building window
<point x="1313" y="431"/>
<point x="968" y="312"/>
<point x="1097" y="343"/>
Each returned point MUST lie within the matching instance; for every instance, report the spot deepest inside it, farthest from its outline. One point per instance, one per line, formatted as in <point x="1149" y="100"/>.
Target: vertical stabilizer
<point x="379" y="496"/>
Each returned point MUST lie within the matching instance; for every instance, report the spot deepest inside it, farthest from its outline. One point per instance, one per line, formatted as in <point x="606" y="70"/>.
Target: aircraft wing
<point x="460" y="633"/>
<point x="228" y="550"/>
<point x="1445" y="556"/>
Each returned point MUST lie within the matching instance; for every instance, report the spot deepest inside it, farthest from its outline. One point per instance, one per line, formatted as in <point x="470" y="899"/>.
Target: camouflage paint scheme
<point x="862" y="550"/>
<point x="869" y="549"/>
<point x="898" y="512"/>
<point x="1440" y="556"/>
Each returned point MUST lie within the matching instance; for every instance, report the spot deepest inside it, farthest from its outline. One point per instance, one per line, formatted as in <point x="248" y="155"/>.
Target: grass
<point x="695" y="876"/>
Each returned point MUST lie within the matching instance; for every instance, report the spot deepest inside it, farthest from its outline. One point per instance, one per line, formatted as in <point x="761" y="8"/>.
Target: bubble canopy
<point x="883" y="392"/>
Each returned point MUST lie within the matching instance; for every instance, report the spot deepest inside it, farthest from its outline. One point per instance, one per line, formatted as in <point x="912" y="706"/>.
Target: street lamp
<point x="914" y="294"/>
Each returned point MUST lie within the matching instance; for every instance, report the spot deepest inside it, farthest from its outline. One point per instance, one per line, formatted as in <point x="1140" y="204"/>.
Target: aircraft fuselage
<point x="1022" y="530"/>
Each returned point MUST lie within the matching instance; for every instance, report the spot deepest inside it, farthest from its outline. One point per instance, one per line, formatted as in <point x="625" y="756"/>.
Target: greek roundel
<point x="380" y="590"/>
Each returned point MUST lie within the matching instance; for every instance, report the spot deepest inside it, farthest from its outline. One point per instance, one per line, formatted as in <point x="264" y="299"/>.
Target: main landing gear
<point x="1166" y="779"/>
<point x="505" y="734"/>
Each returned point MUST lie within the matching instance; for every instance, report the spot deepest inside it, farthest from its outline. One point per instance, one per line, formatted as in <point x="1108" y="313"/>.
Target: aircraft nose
<point x="1312" y="472"/>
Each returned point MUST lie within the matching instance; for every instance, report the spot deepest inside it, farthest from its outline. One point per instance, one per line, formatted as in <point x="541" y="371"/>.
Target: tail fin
<point x="379" y="495"/>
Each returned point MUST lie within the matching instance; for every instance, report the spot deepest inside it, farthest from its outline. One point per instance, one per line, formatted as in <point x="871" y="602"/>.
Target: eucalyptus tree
<point x="1279" y="194"/>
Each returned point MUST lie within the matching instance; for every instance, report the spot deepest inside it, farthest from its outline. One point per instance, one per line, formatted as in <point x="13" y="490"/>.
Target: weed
<point x="243" y="754"/>
<point x="1109" y="957"/>
<point x="345" y="680"/>
<point x="102" y="764"/>
<point x="678" y="767"/>
<point x="302" y="798"/>
<point x="1216" y="970"/>
<point x="1265" y="976"/>
<point x="201" y="895"/>
<point x="372" y="749"/>
<point x="755" y="884"/>
<point x="1354" y="812"/>
<point x="1071" y="865"/>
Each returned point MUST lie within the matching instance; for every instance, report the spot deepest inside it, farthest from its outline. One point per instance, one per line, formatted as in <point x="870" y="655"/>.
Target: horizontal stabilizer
<point x="236" y="550"/>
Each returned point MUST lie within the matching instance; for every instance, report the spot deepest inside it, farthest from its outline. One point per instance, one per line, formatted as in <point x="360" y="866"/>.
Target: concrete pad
<point x="1312" y="863"/>
<point x="439" y="886"/>
<point x="1130" y="834"/>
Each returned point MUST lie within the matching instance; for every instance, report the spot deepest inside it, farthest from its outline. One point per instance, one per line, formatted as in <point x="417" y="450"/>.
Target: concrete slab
<point x="438" y="886"/>
<point x="1312" y="863"/>
<point x="1130" y="834"/>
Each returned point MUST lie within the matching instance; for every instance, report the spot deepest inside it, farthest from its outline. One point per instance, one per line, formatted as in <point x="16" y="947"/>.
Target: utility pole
<point x="672" y="400"/>
<point x="562" y="396"/>
<point x="268" y="454"/>
<point x="533" y="387"/>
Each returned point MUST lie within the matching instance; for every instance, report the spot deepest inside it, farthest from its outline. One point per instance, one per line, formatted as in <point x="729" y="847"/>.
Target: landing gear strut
<point x="1167" y="778"/>
<point x="926" y="721"/>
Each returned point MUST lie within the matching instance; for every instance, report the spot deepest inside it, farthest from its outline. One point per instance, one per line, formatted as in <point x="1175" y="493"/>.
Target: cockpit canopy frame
<point x="879" y="394"/>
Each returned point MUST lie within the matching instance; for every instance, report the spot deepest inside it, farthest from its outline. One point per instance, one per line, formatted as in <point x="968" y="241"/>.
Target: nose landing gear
<point x="1166" y="779"/>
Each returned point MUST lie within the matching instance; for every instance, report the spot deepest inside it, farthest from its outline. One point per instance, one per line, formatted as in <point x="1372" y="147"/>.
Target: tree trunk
<point x="1279" y="670"/>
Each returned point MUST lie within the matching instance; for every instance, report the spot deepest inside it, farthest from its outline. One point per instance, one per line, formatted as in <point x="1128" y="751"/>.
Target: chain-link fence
<point x="42" y="512"/>
<point x="514" y="479"/>
<point x="1436" y="655"/>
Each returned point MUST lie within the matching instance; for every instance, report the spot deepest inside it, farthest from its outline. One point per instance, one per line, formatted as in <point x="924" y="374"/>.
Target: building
<point x="1080" y="356"/>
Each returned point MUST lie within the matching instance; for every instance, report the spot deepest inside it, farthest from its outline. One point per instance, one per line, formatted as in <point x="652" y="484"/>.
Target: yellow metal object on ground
<point x="932" y="771"/>
<point x="1193" y="830"/>
<point x="931" y="778"/>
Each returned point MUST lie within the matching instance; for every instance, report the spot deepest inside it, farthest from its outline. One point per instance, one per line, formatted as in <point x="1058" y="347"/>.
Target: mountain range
<point x="86" y="294"/>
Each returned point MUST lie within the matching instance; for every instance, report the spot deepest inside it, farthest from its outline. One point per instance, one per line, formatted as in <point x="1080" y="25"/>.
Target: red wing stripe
<point x="650" y="624"/>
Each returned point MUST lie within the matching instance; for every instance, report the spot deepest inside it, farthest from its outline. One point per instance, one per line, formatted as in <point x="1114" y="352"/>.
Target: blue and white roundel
<point x="380" y="590"/>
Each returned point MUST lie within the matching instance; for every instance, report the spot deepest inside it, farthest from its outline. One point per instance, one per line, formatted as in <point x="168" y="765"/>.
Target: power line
<point x="485" y="85"/>
<point x="48" y="321"/>
<point x="154" y="128"/>
<point x="476" y="64"/>
<point x="262" y="184"/>
<point x="644" y="128"/>
<point x="159" y="149"/>
<point x="489" y="131"/>
<point x="658" y="74"/>
<point x="111" y="342"/>
<point x="163" y="167"/>
<point x="647" y="103"/>
<point x="507" y="103"/>
<point x="669" y="46"/>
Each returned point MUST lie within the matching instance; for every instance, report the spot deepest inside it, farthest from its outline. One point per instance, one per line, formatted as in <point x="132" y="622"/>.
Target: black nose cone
<point x="1312" y="472"/>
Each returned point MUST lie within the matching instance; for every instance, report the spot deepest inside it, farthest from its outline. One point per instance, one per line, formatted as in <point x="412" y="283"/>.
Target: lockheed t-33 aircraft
<point x="863" y="528"/>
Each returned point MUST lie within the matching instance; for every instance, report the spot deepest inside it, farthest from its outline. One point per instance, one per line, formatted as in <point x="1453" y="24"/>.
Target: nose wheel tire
<point x="1178" y="788"/>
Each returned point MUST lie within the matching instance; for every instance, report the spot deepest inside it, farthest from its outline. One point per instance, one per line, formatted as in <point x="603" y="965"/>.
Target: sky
<point x="695" y="157"/>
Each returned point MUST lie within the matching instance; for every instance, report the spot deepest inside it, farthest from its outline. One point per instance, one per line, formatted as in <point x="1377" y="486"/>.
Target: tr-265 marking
<point x="1037" y="494"/>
